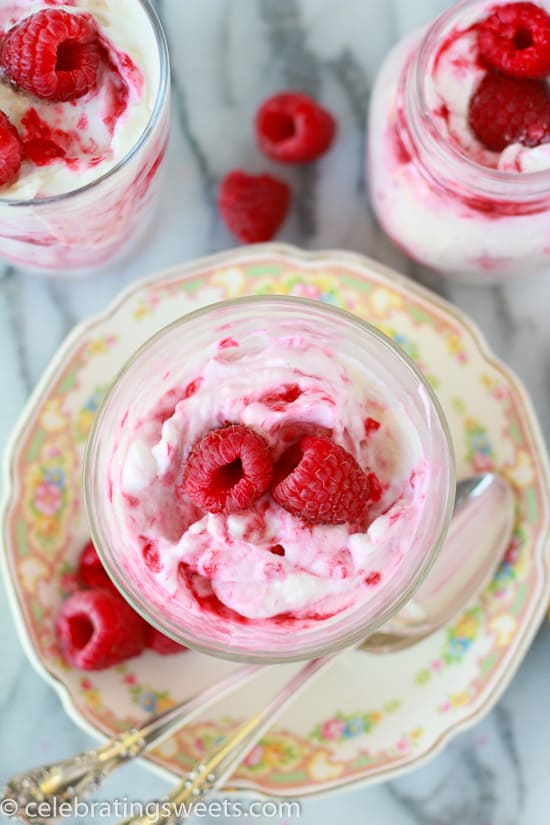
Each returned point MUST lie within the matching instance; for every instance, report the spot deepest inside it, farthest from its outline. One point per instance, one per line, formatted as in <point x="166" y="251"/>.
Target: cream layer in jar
<point x="441" y="195"/>
<point x="265" y="565"/>
<point x="88" y="154"/>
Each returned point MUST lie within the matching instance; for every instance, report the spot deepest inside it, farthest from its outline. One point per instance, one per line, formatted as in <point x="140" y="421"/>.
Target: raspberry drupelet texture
<point x="253" y="206"/>
<point x="53" y="54"/>
<point x="292" y="128"/>
<point x="506" y="110"/>
<point x="227" y="470"/>
<point x="11" y="150"/>
<point x="91" y="571"/>
<point x="515" y="39"/>
<point x="97" y="629"/>
<point x="321" y="482"/>
<point x="162" y="644"/>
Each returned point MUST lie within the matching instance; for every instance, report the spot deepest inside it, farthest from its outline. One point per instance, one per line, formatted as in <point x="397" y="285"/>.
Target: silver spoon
<point x="465" y="566"/>
<point x="480" y="531"/>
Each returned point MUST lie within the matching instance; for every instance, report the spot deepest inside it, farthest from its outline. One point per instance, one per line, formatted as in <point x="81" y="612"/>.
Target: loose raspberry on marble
<point x="91" y="572"/>
<point x="506" y="110"/>
<point x="515" y="39"/>
<point x="291" y="127"/>
<point x="11" y="150"/>
<point x="319" y="481"/>
<point x="253" y="206"/>
<point x="53" y="54"/>
<point x="97" y="629"/>
<point x="227" y="470"/>
<point x="162" y="644"/>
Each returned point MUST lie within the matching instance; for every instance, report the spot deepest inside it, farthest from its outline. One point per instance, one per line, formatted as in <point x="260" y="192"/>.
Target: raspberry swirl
<point x="262" y="558"/>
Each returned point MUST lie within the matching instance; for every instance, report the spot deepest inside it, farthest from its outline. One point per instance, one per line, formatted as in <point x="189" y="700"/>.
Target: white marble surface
<point x="227" y="56"/>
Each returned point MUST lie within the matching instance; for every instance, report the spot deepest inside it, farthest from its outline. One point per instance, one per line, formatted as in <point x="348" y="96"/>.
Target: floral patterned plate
<point x="348" y="727"/>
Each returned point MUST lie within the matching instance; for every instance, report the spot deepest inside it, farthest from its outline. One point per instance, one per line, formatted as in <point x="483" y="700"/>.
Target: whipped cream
<point x="265" y="564"/>
<point x="99" y="129"/>
<point x="427" y="204"/>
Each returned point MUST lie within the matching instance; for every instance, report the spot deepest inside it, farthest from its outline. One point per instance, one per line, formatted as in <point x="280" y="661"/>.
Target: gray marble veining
<point x="227" y="56"/>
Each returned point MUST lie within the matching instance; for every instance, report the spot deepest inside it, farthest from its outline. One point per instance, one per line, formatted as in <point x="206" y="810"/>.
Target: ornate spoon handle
<point x="83" y="773"/>
<point x="212" y="772"/>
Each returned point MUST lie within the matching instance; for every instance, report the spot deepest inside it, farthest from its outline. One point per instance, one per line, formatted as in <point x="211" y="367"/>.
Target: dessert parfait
<point x="459" y="141"/>
<point x="83" y="128"/>
<point x="268" y="479"/>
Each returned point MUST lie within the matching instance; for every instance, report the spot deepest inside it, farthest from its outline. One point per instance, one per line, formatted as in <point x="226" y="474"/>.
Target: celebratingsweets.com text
<point x="125" y="808"/>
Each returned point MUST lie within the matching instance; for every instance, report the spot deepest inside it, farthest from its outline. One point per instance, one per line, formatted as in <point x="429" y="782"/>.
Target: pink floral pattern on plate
<point x="350" y="727"/>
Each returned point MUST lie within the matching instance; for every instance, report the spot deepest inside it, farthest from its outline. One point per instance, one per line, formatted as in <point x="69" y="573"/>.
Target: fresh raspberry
<point x="52" y="54"/>
<point x="320" y="481"/>
<point x="291" y="127"/>
<point x="253" y="206"/>
<point x="227" y="470"/>
<point x="162" y="644"/>
<point x="11" y="150"/>
<point x="507" y="110"/>
<point x="91" y="571"/>
<point x="515" y="39"/>
<point x="97" y="629"/>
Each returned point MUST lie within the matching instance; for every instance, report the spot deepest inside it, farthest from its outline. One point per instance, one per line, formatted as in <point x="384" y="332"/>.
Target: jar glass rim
<point x="481" y="178"/>
<point x="162" y="91"/>
<point x="315" y="648"/>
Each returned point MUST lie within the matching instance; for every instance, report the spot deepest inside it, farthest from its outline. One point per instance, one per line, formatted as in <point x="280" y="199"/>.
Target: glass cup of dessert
<point x="459" y="141"/>
<point x="83" y="130"/>
<point x="269" y="479"/>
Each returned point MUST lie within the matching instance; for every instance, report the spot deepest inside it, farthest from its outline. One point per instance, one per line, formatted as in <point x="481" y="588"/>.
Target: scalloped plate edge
<point x="301" y="256"/>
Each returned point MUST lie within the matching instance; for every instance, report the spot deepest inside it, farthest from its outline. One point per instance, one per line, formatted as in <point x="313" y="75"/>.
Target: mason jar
<point x="468" y="215"/>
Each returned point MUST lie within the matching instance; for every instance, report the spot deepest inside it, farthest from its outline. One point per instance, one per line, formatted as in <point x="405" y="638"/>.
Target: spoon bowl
<point x="480" y="531"/>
